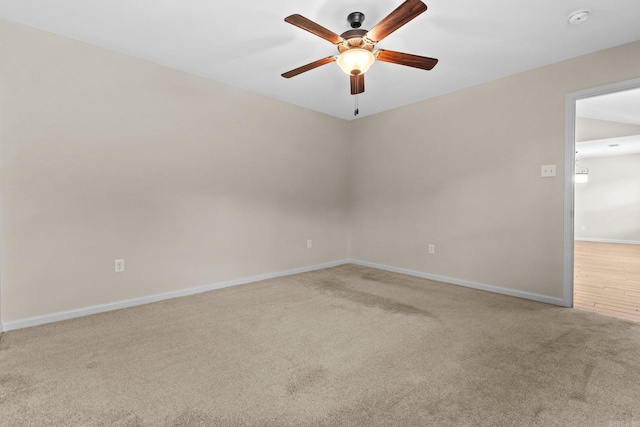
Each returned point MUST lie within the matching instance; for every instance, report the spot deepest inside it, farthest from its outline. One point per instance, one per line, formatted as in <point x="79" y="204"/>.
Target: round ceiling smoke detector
<point x="579" y="16"/>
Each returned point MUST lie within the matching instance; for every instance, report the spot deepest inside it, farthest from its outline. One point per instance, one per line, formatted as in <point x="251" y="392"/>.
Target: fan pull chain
<point x="356" y="111"/>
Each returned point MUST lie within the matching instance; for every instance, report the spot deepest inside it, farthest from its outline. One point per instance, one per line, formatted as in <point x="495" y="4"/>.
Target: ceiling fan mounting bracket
<point x="355" y="19"/>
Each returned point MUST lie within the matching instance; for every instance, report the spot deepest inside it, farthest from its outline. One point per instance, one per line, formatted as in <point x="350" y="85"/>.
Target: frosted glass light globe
<point x="355" y="61"/>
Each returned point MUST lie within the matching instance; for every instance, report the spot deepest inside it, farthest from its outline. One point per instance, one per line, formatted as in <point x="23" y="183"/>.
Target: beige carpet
<point x="344" y="346"/>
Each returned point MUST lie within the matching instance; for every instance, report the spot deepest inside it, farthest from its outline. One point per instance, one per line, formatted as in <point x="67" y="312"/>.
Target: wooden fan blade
<point x="396" y="19"/>
<point x="317" y="29"/>
<point x="311" y="66"/>
<point x="357" y="84"/>
<point x="407" y="59"/>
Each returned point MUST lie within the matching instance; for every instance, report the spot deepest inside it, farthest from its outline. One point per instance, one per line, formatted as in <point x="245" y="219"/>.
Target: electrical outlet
<point x="309" y="244"/>
<point x="432" y="249"/>
<point x="119" y="265"/>
<point x="582" y="227"/>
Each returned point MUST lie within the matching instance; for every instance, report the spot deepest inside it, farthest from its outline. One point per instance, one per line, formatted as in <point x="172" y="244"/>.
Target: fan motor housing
<point x="354" y="39"/>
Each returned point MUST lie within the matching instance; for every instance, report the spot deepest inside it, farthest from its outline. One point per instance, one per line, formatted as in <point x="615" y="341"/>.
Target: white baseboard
<point x="86" y="311"/>
<point x="466" y="283"/>
<point x="624" y="242"/>
<point x="101" y="308"/>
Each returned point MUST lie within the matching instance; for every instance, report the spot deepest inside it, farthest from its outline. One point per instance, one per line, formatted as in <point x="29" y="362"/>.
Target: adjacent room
<point x="205" y="222"/>
<point x="607" y="205"/>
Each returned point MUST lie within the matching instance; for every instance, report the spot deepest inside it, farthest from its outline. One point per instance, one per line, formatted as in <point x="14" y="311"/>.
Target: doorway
<point x="602" y="200"/>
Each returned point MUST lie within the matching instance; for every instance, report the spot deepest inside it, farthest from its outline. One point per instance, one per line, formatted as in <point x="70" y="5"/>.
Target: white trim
<point x="624" y="242"/>
<point x="465" y="283"/>
<point x="569" y="197"/>
<point x="86" y="311"/>
<point x="569" y="163"/>
<point x="101" y="308"/>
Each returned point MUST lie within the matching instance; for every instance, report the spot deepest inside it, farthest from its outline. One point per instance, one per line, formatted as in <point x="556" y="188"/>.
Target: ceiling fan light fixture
<point x="355" y="61"/>
<point x="356" y="45"/>
<point x="581" y="177"/>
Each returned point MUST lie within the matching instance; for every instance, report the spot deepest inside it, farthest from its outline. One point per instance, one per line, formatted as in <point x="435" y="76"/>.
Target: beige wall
<point x="462" y="171"/>
<point x="190" y="181"/>
<point x="608" y="205"/>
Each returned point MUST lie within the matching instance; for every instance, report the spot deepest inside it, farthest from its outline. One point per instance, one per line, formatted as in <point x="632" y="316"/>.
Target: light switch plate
<point x="547" y="171"/>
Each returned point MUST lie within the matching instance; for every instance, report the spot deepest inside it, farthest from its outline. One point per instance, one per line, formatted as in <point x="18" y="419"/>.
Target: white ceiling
<point x="247" y="44"/>
<point x="621" y="107"/>
<point x="608" y="147"/>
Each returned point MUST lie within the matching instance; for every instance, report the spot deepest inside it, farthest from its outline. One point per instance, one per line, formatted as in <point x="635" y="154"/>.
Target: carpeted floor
<point x="346" y="346"/>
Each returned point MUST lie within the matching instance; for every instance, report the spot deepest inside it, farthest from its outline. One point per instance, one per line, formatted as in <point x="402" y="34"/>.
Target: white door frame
<point x="569" y="171"/>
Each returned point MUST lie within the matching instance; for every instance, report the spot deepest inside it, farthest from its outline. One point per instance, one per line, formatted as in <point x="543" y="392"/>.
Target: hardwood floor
<point x="607" y="279"/>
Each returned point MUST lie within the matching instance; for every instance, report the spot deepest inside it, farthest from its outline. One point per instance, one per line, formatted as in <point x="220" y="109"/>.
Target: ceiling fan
<point x="356" y="45"/>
